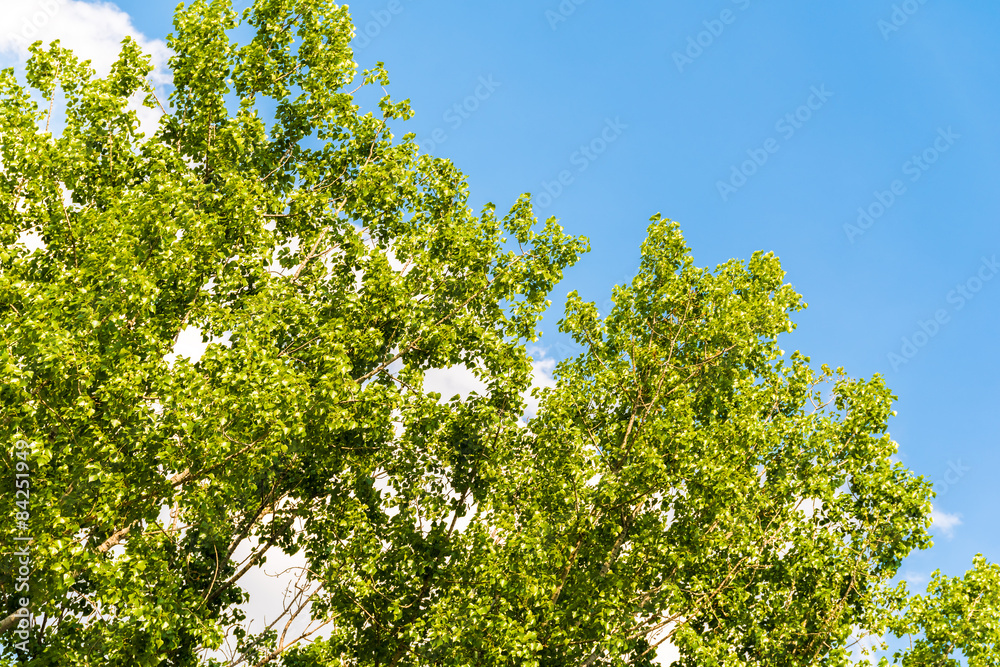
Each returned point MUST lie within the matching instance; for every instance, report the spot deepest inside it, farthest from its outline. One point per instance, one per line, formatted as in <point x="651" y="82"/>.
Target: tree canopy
<point x="683" y="482"/>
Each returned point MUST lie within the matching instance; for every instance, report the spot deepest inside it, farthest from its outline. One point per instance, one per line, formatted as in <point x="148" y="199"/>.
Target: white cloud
<point x="666" y="650"/>
<point x="460" y="380"/>
<point x="274" y="589"/>
<point x="268" y="584"/>
<point x="542" y="368"/>
<point x="190" y="345"/>
<point x="448" y="382"/>
<point x="864" y="646"/>
<point x="93" y="30"/>
<point x="30" y="240"/>
<point x="809" y="506"/>
<point x="947" y="523"/>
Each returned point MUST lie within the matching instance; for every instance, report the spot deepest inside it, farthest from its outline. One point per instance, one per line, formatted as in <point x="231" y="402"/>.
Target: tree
<point x="682" y="482"/>
<point x="340" y="264"/>
<point x="958" y="615"/>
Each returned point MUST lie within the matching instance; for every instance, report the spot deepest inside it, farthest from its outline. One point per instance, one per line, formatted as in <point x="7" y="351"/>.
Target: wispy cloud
<point x="92" y="30"/>
<point x="947" y="523"/>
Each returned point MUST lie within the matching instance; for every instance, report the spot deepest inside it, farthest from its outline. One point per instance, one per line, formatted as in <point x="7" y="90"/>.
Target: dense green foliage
<point x="959" y="617"/>
<point x="683" y="482"/>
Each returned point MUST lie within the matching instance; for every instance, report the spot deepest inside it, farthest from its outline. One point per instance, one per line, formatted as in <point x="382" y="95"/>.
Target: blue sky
<point x="910" y="103"/>
<point x="756" y="125"/>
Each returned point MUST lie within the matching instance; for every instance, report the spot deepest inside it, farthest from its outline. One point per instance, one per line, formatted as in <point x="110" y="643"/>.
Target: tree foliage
<point x="958" y="617"/>
<point x="683" y="482"/>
